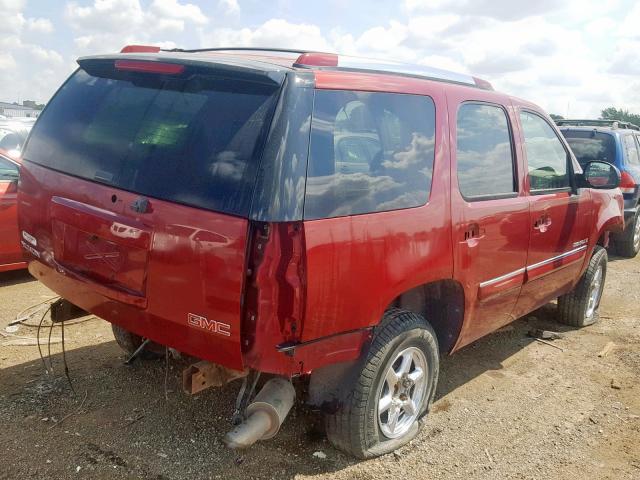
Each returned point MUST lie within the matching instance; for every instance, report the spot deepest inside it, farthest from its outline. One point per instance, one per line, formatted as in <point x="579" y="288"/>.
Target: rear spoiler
<point x="160" y="62"/>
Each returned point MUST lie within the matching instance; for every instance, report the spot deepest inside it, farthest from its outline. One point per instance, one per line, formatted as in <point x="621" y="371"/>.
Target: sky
<point x="571" y="57"/>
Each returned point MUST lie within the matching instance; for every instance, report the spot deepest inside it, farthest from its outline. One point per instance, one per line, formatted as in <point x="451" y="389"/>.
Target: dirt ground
<point x="507" y="407"/>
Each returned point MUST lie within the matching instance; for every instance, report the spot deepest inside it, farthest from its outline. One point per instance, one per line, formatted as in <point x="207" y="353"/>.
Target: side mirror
<point x="600" y="175"/>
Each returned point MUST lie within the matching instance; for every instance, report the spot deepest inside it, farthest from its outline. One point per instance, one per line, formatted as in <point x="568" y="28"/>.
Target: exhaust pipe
<point x="265" y="414"/>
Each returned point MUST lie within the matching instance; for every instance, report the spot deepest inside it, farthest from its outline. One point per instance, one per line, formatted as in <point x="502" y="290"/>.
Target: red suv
<point x="309" y="215"/>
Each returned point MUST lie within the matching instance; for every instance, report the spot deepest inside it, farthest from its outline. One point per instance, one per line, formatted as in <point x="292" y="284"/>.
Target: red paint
<point x="318" y="59"/>
<point x="11" y="256"/>
<point x="300" y="295"/>
<point x="175" y="260"/>
<point x="149" y="67"/>
<point x="140" y="49"/>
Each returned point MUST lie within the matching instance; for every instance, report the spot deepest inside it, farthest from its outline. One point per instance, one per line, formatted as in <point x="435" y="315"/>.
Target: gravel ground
<point x="507" y="407"/>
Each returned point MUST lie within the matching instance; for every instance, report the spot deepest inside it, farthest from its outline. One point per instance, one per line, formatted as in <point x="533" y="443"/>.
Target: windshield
<point x="193" y="140"/>
<point x="590" y="145"/>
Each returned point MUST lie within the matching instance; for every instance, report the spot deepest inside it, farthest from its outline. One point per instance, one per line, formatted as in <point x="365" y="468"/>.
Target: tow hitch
<point x="202" y="375"/>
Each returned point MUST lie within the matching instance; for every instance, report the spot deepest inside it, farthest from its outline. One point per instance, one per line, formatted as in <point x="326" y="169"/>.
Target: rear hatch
<point x="137" y="184"/>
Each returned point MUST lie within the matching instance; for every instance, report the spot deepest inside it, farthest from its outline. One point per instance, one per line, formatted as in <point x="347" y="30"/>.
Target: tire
<point x="129" y="342"/>
<point x="628" y="242"/>
<point x="579" y="307"/>
<point x="356" y="428"/>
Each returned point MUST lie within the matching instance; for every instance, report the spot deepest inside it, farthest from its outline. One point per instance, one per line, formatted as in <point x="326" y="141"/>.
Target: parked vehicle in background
<point x="618" y="143"/>
<point x="13" y="134"/>
<point x="310" y="215"/>
<point x="11" y="256"/>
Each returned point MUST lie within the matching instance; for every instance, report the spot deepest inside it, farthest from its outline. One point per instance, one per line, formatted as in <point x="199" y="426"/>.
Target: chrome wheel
<point x="594" y="293"/>
<point x="636" y="235"/>
<point x="402" y="392"/>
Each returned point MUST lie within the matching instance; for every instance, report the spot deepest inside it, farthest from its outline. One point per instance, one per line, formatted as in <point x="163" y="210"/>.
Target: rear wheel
<point x="628" y="242"/>
<point x="129" y="342"/>
<point x="579" y="307"/>
<point x="394" y="389"/>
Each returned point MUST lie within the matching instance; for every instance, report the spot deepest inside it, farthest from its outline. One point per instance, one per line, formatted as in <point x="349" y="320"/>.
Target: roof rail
<point x="597" y="123"/>
<point x="237" y="49"/>
<point x="345" y="62"/>
<point x="312" y="59"/>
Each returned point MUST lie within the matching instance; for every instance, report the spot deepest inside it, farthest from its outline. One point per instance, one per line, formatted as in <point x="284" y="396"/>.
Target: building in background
<point x="28" y="109"/>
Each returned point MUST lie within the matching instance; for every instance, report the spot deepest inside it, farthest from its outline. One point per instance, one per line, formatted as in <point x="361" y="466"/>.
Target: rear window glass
<point x="588" y="146"/>
<point x="194" y="141"/>
<point x="369" y="152"/>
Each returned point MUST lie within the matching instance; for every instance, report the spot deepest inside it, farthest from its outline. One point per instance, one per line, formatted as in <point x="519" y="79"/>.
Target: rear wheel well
<point x="441" y="303"/>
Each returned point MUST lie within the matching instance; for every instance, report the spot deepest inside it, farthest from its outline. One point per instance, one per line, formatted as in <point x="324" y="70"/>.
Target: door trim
<point x="549" y="265"/>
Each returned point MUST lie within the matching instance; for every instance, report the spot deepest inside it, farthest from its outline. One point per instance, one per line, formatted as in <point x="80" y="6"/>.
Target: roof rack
<point x="237" y="49"/>
<point x="597" y="123"/>
<point x="321" y="60"/>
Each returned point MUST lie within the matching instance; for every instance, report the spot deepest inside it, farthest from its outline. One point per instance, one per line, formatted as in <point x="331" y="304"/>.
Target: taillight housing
<point x="274" y="292"/>
<point x="627" y="183"/>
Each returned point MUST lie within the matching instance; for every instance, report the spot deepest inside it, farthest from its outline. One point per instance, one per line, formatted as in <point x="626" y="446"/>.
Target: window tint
<point x="484" y="155"/>
<point x="631" y="150"/>
<point x="8" y="171"/>
<point x="546" y="156"/>
<point x="590" y="145"/>
<point x="369" y="152"/>
<point x="192" y="140"/>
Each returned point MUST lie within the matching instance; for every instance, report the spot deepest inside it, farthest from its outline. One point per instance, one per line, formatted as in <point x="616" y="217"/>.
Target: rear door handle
<point x="472" y="233"/>
<point x="543" y="223"/>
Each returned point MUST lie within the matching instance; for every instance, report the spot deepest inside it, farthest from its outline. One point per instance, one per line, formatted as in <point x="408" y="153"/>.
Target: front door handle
<point x="543" y="223"/>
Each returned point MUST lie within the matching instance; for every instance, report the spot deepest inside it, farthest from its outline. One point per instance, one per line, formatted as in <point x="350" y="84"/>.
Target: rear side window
<point x="193" y="140"/>
<point x="369" y="152"/>
<point x="631" y="150"/>
<point x="484" y="152"/>
<point x="546" y="156"/>
<point x="591" y="145"/>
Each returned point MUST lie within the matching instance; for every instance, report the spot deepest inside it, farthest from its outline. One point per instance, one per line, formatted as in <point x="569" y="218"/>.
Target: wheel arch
<point x="441" y="303"/>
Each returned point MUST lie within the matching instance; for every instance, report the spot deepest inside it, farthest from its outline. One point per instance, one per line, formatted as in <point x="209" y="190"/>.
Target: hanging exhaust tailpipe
<point x="265" y="414"/>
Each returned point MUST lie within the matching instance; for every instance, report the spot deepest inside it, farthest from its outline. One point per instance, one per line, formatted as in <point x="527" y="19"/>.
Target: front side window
<point x="369" y="152"/>
<point x="484" y="152"/>
<point x="546" y="156"/>
<point x="631" y="150"/>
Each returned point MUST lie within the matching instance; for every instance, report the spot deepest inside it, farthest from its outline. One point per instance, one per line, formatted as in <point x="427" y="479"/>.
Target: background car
<point x="11" y="257"/>
<point x="13" y="134"/>
<point x="618" y="143"/>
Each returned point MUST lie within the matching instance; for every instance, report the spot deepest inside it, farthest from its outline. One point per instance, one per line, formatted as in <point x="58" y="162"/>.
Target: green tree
<point x="612" y="113"/>
<point x="555" y="116"/>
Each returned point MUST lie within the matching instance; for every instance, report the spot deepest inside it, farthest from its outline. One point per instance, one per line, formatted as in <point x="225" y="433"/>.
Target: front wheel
<point x="627" y="243"/>
<point x="579" y="307"/>
<point x="394" y="388"/>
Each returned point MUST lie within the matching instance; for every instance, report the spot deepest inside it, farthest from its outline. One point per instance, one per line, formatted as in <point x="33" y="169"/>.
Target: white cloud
<point x="174" y="10"/>
<point x="108" y="25"/>
<point x="277" y="33"/>
<point x="499" y="9"/>
<point x="230" y="7"/>
<point x="40" y="25"/>
<point x="27" y="69"/>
